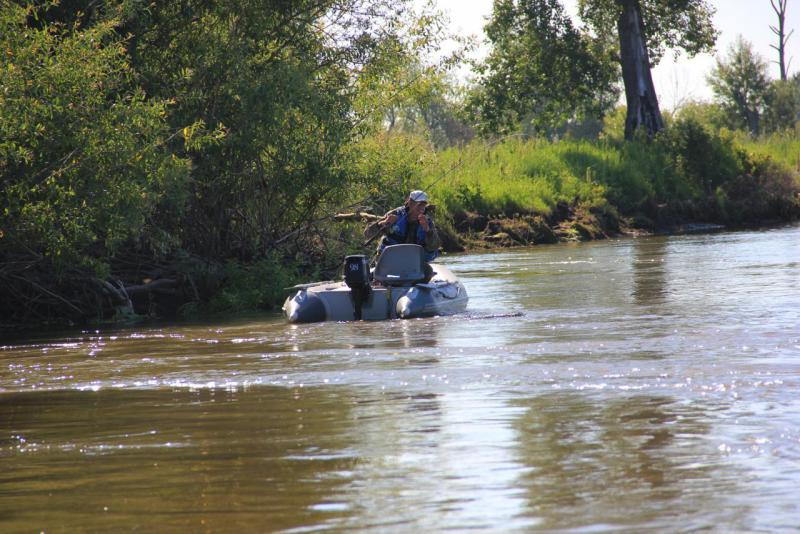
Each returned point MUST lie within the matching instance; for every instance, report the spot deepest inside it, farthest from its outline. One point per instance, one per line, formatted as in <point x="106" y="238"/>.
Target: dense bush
<point x="700" y="158"/>
<point x="83" y="164"/>
<point x="132" y="133"/>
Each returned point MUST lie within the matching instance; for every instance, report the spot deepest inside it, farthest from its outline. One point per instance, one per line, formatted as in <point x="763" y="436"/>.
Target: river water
<point x="626" y="385"/>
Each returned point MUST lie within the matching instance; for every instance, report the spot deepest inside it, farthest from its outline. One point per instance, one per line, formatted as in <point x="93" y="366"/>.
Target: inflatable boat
<point x="402" y="285"/>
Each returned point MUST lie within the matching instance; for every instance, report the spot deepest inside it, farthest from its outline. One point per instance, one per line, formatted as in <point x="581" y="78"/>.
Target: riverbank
<point x="509" y="194"/>
<point x="573" y="224"/>
<point x="690" y="178"/>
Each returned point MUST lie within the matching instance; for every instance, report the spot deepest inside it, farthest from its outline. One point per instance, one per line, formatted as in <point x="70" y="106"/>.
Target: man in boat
<point x="410" y="223"/>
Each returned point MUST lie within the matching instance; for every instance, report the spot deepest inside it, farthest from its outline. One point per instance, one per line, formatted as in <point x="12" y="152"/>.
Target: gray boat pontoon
<point x="397" y="287"/>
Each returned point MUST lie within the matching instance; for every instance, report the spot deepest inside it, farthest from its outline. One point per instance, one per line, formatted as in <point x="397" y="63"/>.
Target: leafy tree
<point x="741" y="83"/>
<point x="263" y="119"/>
<point x="431" y="108"/>
<point x="541" y="70"/>
<point x="221" y="129"/>
<point x="407" y="91"/>
<point x="645" y="29"/>
<point x="782" y="104"/>
<point x="83" y="162"/>
<point x="709" y="114"/>
<point x="266" y="96"/>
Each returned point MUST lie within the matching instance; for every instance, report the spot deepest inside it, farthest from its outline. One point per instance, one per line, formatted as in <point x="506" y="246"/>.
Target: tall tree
<point x="741" y="84"/>
<point x="267" y="89"/>
<point x="782" y="104"/>
<point x="541" y="70"/>
<point x="645" y="29"/>
<point x="780" y="33"/>
<point x="83" y="158"/>
<point x="221" y="128"/>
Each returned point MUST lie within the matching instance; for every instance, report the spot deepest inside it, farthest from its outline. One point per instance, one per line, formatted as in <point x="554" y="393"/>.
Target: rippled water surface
<point x="638" y="384"/>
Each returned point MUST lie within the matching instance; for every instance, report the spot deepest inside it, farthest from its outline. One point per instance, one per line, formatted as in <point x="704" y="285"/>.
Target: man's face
<point x="416" y="208"/>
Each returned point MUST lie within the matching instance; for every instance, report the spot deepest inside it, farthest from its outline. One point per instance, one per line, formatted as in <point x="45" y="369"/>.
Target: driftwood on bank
<point x="163" y="286"/>
<point x="372" y="230"/>
<point x="361" y="216"/>
<point x="367" y="217"/>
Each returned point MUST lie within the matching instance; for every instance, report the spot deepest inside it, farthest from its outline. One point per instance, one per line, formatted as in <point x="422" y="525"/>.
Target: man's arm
<point x="381" y="225"/>
<point x="432" y="241"/>
<point x="389" y="219"/>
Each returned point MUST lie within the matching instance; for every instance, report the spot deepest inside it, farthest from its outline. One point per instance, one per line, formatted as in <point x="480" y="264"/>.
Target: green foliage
<point x="668" y="24"/>
<point x="686" y="167"/>
<point x="782" y="147"/>
<point x="432" y="110"/>
<point x="252" y="286"/>
<point x="263" y="122"/>
<point x="218" y="129"/>
<point x="741" y="83"/>
<point x="782" y="105"/>
<point x="387" y="167"/>
<point x="405" y="91"/>
<point x="703" y="159"/>
<point x="82" y="159"/>
<point x="512" y="177"/>
<point x="710" y="114"/>
<point x="541" y="70"/>
<point x="614" y="124"/>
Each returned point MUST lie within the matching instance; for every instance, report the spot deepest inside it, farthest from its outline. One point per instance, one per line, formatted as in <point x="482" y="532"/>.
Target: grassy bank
<point x="687" y="175"/>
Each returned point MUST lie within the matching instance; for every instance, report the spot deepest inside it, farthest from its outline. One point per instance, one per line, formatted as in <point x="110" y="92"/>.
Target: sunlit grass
<point x="783" y="148"/>
<point x="519" y="176"/>
<point x="534" y="176"/>
<point x="512" y="176"/>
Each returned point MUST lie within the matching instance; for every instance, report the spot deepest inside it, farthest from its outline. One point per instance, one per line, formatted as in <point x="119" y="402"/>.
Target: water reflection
<point x="436" y="462"/>
<point x="396" y="334"/>
<point x="223" y="460"/>
<point x="584" y="454"/>
<point x="649" y="271"/>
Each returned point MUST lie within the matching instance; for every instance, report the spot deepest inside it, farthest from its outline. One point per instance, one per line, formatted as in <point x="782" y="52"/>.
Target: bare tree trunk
<point x="783" y="37"/>
<point x="753" y="122"/>
<point x="643" y="111"/>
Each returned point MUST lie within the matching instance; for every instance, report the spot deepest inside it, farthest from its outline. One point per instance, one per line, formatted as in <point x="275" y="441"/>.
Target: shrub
<point x="703" y="159"/>
<point x="259" y="285"/>
<point x="82" y="160"/>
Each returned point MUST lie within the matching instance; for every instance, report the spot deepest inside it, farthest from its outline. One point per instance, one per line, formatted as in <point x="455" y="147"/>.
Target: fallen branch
<point x="361" y="216"/>
<point x="50" y="293"/>
<point x="164" y="286"/>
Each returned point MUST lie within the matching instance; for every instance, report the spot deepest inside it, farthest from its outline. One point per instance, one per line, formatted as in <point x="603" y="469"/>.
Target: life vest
<point x="396" y="234"/>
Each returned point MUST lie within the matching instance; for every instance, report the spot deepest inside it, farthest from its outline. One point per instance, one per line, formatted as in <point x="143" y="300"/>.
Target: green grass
<point x="687" y="164"/>
<point x="516" y="176"/>
<point x="783" y="148"/>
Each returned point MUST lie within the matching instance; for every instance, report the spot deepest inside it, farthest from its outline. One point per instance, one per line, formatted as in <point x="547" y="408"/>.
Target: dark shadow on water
<point x="649" y="271"/>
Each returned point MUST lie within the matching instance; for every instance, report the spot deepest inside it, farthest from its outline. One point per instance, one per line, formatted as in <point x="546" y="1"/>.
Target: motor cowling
<point x="356" y="271"/>
<point x="356" y="276"/>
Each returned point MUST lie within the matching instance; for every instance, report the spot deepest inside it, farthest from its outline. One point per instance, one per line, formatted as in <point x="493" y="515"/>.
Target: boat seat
<point x="400" y="265"/>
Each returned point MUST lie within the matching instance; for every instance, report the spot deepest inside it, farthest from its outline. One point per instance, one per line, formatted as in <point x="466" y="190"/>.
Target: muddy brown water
<point x="638" y="385"/>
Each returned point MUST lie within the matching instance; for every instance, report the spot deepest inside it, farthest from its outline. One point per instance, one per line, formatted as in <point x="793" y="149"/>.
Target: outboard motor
<point x="356" y="276"/>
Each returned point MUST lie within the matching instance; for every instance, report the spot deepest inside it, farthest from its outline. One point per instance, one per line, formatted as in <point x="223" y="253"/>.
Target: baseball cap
<point x="418" y="196"/>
